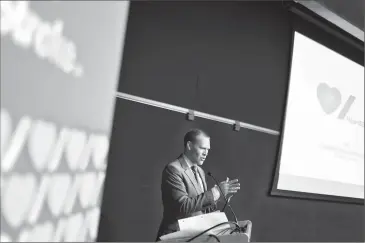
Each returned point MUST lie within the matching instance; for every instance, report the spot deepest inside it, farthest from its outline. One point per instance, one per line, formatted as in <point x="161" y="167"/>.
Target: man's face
<point x="199" y="149"/>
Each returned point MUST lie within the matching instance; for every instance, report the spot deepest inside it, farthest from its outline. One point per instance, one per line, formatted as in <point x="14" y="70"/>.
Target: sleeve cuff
<point x="216" y="193"/>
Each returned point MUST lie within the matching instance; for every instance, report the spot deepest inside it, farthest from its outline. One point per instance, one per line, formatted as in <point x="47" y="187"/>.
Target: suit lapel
<point x="190" y="174"/>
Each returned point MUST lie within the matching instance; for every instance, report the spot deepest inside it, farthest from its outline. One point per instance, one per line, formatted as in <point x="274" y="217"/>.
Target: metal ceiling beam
<point x="332" y="17"/>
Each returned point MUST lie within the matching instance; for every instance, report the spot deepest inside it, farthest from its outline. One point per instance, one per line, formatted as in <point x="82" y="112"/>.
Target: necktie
<point x="197" y="178"/>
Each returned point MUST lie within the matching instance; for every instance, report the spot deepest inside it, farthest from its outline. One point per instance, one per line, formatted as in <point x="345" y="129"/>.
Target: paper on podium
<point x="204" y="221"/>
<point x="192" y="226"/>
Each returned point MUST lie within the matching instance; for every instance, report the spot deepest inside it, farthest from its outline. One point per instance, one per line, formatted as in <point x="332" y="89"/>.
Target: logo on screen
<point x="330" y="100"/>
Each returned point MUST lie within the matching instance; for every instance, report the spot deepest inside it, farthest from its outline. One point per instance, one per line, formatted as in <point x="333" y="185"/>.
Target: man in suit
<point x="184" y="189"/>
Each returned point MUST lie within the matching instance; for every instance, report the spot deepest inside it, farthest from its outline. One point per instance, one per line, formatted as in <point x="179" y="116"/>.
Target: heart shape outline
<point x="41" y="142"/>
<point x="329" y="98"/>
<point x="17" y="198"/>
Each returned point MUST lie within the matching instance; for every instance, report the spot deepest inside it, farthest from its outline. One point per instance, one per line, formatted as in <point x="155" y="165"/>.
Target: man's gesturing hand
<point x="229" y="186"/>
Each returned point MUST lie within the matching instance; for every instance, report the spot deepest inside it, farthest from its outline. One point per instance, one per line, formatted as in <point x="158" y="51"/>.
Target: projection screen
<point x="322" y="149"/>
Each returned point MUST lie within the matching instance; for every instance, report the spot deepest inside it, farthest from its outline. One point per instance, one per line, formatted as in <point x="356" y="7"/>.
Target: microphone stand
<point x="226" y="200"/>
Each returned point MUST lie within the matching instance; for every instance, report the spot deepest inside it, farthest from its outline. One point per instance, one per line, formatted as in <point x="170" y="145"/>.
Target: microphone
<point x="226" y="200"/>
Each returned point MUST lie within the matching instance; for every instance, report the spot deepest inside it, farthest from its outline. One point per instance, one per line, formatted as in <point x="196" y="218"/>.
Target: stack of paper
<point x="189" y="227"/>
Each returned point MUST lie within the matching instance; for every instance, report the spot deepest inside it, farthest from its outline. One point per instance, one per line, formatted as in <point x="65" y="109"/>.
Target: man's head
<point x="197" y="145"/>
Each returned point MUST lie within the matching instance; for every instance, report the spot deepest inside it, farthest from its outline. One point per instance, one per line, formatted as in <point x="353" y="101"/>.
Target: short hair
<point x="191" y="135"/>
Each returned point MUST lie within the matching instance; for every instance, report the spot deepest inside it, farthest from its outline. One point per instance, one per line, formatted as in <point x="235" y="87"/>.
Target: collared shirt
<point x="215" y="191"/>
<point x="190" y="164"/>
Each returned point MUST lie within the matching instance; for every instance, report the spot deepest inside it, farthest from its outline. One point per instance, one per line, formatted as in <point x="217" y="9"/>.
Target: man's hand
<point x="229" y="187"/>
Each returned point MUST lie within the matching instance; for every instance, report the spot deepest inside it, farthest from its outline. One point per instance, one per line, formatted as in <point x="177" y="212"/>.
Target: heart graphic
<point x="100" y="151"/>
<point x="2" y="187"/>
<point x="87" y="189"/>
<point x="85" y="156"/>
<point x="98" y="189"/>
<point x="57" y="153"/>
<point x="5" y="238"/>
<point x="74" y="148"/>
<point x="57" y="193"/>
<point x="42" y="232"/>
<point x="72" y="228"/>
<point x="72" y="193"/>
<point x="17" y="198"/>
<point x="41" y="142"/>
<point x="93" y="220"/>
<point x="329" y="98"/>
<point x="5" y="129"/>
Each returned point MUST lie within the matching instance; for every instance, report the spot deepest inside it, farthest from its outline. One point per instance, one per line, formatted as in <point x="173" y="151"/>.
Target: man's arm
<point x="216" y="196"/>
<point x="185" y="205"/>
<point x="212" y="209"/>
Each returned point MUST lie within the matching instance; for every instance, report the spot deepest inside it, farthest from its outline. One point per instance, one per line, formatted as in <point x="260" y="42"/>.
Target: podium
<point x="238" y="237"/>
<point x="196" y="229"/>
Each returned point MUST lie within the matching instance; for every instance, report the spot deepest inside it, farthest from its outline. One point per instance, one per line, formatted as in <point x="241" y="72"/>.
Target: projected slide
<point x="323" y="140"/>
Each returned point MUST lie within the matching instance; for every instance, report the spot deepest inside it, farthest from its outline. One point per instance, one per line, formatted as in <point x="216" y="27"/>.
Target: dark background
<point x="230" y="59"/>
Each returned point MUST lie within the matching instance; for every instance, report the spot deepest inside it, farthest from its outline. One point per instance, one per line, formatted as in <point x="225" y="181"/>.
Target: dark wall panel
<point x="211" y="57"/>
<point x="145" y="139"/>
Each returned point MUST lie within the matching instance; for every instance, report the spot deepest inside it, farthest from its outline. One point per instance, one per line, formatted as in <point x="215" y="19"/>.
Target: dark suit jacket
<point x="182" y="196"/>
